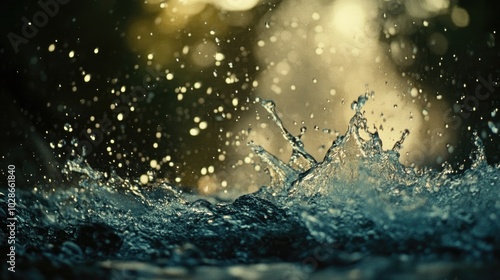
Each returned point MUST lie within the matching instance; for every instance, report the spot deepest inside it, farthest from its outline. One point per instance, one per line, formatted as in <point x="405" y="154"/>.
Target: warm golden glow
<point x="235" y="5"/>
<point x="208" y="184"/>
<point x="346" y="58"/>
<point x="426" y="8"/>
<point x="314" y="58"/>
<point x="460" y="17"/>
<point x="348" y="17"/>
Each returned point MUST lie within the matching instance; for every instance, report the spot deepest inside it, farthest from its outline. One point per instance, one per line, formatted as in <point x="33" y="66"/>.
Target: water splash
<point x="359" y="200"/>
<point x="361" y="192"/>
<point x="345" y="154"/>
<point x="300" y="157"/>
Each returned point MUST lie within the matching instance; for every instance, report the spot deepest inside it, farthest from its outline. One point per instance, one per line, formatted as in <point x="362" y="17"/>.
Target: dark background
<point x="34" y="77"/>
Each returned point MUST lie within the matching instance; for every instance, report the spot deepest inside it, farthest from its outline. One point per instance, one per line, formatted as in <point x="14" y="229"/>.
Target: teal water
<point x="357" y="205"/>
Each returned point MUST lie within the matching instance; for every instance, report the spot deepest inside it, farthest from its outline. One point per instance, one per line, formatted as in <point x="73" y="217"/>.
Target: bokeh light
<point x="202" y="63"/>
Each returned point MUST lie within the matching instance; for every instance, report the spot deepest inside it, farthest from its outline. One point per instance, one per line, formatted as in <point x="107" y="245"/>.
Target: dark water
<point x="358" y="214"/>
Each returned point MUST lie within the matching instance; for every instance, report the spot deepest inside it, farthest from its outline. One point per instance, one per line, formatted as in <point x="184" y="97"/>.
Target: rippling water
<point x="357" y="214"/>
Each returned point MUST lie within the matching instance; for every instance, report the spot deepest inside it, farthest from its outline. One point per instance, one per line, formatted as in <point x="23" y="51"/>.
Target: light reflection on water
<point x="312" y="58"/>
<point x="353" y="198"/>
<point x="359" y="202"/>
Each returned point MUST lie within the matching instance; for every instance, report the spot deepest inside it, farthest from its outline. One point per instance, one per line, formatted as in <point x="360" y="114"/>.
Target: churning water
<point x="357" y="214"/>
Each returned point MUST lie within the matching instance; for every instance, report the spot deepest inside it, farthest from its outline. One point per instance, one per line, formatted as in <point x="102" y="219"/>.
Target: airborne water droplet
<point x="493" y="127"/>
<point x="61" y="143"/>
<point x="68" y="127"/>
<point x="354" y="105"/>
<point x="303" y="130"/>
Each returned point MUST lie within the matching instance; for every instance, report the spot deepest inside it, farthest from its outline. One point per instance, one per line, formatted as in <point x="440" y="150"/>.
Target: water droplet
<point x="354" y="105"/>
<point x="61" y="143"/>
<point x="493" y="127"/>
<point x="68" y="127"/>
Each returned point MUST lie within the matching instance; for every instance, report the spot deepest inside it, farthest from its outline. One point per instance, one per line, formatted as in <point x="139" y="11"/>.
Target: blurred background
<point x="165" y="90"/>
